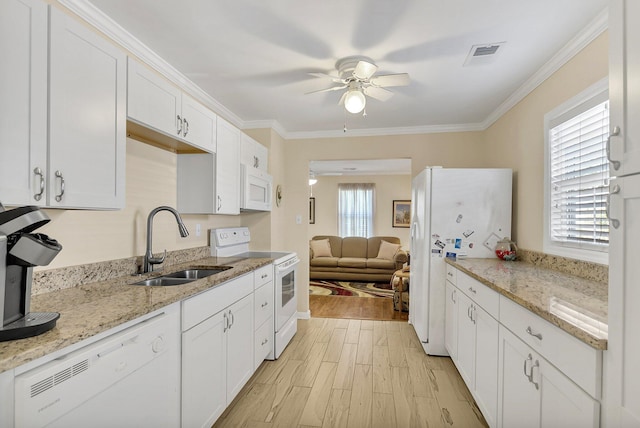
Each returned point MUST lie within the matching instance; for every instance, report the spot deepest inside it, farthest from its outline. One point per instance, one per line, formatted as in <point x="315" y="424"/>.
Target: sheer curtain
<point x="356" y="209"/>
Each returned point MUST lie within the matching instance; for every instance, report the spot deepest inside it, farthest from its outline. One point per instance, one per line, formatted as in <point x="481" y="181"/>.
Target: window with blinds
<point x="356" y="209"/>
<point x="579" y="176"/>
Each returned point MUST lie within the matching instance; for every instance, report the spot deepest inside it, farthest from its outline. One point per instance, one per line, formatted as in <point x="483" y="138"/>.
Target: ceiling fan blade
<point x="401" y="79"/>
<point x="378" y="93"/>
<point x="327" y="76"/>
<point x="364" y="70"/>
<point x="333" y="88"/>
<point x="342" y="99"/>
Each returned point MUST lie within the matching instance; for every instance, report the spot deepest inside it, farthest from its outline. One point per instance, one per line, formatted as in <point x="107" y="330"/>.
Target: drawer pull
<point x="264" y="304"/>
<point x="264" y="276"/>
<point x="264" y="342"/>
<point x="472" y="290"/>
<point x="537" y="335"/>
<point x="450" y="274"/>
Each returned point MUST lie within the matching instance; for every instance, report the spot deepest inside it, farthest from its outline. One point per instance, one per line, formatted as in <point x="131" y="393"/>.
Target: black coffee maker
<point x="20" y="251"/>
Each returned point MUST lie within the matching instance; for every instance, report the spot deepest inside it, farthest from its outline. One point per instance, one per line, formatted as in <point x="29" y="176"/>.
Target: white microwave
<point x="255" y="189"/>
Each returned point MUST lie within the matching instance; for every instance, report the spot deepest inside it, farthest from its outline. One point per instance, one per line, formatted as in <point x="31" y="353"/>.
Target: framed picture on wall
<point x="312" y="210"/>
<point x="401" y="214"/>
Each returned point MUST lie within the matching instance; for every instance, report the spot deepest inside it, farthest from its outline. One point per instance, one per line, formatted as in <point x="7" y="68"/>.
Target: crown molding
<point x="568" y="51"/>
<point x="373" y="132"/>
<point x="96" y="18"/>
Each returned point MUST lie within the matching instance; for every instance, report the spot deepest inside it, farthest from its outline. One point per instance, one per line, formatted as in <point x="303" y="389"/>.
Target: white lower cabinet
<point x="217" y="349"/>
<point x="521" y="370"/>
<point x="451" y="320"/>
<point x="533" y="393"/>
<point x="477" y="355"/>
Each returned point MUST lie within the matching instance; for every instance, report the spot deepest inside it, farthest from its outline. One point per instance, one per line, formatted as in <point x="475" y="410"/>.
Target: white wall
<point x="388" y="188"/>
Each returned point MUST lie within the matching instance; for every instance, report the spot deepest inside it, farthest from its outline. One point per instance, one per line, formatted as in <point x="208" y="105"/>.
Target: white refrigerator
<point x="454" y="212"/>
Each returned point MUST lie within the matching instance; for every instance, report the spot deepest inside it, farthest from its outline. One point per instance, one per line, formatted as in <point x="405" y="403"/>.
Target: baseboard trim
<point x="303" y="315"/>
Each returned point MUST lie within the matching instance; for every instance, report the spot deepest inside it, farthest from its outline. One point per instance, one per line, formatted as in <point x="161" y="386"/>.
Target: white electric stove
<point x="234" y="242"/>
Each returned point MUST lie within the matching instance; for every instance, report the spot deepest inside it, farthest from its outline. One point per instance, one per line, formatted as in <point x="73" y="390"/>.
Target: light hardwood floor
<point x="354" y="373"/>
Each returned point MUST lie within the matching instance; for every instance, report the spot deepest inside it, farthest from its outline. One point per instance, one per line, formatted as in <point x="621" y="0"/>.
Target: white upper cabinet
<point x="253" y="154"/>
<point x="198" y="124"/>
<point x="83" y="165"/>
<point x="209" y="183"/>
<point x="227" y="168"/>
<point x="23" y="104"/>
<point x="624" y="87"/>
<point x="87" y="117"/>
<point x="155" y="103"/>
<point x="151" y="100"/>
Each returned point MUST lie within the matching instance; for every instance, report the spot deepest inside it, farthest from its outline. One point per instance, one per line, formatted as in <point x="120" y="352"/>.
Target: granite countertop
<point x="90" y="309"/>
<point x="576" y="305"/>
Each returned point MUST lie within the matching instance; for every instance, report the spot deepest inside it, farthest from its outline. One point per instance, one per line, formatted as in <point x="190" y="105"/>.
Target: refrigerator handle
<point x="412" y="232"/>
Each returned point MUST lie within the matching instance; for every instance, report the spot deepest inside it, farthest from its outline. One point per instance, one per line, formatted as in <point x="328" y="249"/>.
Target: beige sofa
<point x="355" y="258"/>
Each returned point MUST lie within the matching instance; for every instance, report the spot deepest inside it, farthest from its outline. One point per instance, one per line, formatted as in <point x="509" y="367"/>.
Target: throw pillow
<point x="387" y="250"/>
<point x="320" y="247"/>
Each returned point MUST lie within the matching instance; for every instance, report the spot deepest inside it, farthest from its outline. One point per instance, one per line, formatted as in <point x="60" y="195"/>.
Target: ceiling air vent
<point x="483" y="54"/>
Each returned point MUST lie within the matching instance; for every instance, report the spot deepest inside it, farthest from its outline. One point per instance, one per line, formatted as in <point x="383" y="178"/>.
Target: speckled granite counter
<point x="89" y="309"/>
<point x="576" y="305"/>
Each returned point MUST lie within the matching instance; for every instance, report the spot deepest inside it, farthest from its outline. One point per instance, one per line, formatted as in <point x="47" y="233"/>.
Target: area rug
<point x="349" y="288"/>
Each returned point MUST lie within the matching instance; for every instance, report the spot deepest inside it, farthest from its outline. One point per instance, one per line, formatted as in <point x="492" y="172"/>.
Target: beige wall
<point x="516" y="140"/>
<point x="92" y="236"/>
<point x="388" y="188"/>
<point x="462" y="149"/>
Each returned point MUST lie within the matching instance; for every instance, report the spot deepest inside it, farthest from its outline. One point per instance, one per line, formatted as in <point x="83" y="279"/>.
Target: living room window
<point x="356" y="202"/>
<point x="577" y="177"/>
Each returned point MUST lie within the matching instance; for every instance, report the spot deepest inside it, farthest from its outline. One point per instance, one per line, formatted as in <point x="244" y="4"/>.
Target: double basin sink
<point x="183" y="276"/>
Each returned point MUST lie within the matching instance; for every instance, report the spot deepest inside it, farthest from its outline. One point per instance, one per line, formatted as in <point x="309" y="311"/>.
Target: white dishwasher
<point x="128" y="379"/>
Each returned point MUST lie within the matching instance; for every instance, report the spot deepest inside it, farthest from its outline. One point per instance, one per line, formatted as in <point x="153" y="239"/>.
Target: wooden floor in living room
<point x="351" y="307"/>
<point x="354" y="373"/>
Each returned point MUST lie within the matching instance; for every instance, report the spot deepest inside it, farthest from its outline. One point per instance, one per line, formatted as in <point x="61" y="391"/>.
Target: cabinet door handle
<point x="37" y="171"/>
<point x="614" y="163"/>
<point x="453" y="296"/>
<point x="59" y="195"/>
<point x="179" y="125"/>
<point x="536" y="364"/>
<point x="231" y="318"/>
<point x="529" y="359"/>
<point x="469" y="312"/>
<point x="473" y="314"/>
<point x="536" y="335"/>
<point x="185" y="130"/>
<point x="226" y="323"/>
<point x="219" y="203"/>
<point x="614" y="221"/>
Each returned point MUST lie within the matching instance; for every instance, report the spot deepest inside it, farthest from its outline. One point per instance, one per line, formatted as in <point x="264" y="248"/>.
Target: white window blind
<point x="579" y="178"/>
<point x="356" y="209"/>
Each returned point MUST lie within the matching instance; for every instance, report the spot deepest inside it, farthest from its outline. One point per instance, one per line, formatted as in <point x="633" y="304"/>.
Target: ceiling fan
<point x="356" y="75"/>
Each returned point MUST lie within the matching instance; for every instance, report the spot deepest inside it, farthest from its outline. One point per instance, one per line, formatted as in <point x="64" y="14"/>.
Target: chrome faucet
<point x="149" y="260"/>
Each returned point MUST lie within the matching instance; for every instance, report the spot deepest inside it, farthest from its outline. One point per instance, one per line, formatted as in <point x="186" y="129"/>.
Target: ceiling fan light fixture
<point x="355" y="101"/>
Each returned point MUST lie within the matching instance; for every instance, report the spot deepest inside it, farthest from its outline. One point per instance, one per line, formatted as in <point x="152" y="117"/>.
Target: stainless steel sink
<point x="196" y="273"/>
<point x="164" y="281"/>
<point x="182" y="277"/>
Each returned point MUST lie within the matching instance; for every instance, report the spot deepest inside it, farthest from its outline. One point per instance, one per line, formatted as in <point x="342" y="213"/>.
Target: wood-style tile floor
<point x="354" y="373"/>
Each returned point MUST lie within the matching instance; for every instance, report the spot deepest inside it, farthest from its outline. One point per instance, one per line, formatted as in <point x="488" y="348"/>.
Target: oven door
<point x="255" y="189"/>
<point x="285" y="285"/>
